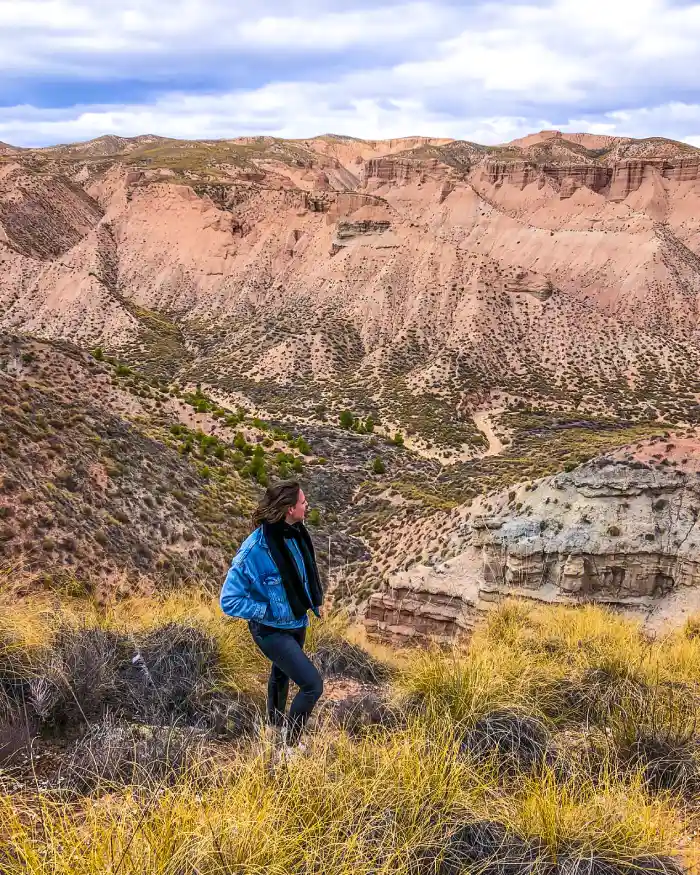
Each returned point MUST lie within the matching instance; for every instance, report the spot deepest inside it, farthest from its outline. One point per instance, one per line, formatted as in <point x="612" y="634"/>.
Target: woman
<point x="272" y="583"/>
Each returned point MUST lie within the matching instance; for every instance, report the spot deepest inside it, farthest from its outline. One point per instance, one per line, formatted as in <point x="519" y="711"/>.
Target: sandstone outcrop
<point x="622" y="530"/>
<point x="616" y="181"/>
<point x="398" y="170"/>
<point x="565" y="178"/>
<point x="347" y="232"/>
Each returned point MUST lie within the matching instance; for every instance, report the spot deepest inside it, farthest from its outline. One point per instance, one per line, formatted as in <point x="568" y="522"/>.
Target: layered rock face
<point x="398" y="170"/>
<point x="616" y="182"/>
<point x="623" y="530"/>
<point x="566" y="178"/>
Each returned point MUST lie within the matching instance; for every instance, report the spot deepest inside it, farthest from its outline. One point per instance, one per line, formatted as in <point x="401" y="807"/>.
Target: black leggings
<point x="285" y="649"/>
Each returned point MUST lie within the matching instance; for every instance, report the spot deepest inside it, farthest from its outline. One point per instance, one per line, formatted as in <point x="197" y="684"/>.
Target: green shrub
<point x="315" y="517"/>
<point x="303" y="446"/>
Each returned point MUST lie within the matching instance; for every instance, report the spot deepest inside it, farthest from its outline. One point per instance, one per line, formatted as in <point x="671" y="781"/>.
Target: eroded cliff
<point x="623" y="529"/>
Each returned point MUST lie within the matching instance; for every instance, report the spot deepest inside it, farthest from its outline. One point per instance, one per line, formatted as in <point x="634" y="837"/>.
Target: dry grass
<point x="400" y="796"/>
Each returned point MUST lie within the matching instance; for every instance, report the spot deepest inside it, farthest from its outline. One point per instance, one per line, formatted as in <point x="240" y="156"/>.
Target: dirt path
<point x="483" y="423"/>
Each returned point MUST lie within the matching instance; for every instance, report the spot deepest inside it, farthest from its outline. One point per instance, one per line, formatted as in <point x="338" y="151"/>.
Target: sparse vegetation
<point x="508" y="752"/>
<point x="315" y="517"/>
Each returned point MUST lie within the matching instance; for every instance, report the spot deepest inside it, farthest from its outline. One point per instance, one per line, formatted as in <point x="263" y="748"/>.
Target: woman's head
<point x="283" y="501"/>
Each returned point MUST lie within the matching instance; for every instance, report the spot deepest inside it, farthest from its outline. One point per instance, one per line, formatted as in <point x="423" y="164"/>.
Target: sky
<point x="488" y="72"/>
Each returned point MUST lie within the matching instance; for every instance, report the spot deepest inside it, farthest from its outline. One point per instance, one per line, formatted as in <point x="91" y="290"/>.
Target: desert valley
<point x="483" y="364"/>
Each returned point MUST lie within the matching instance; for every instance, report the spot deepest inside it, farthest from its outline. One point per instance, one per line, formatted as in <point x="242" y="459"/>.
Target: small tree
<point x="315" y="517"/>
<point x="303" y="446"/>
<point x="261" y="477"/>
<point x="378" y="466"/>
<point x="346" y="419"/>
<point x="98" y="353"/>
<point x="398" y="439"/>
<point x="369" y="425"/>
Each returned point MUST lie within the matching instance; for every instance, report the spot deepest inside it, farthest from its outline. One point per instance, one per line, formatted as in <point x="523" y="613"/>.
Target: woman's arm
<point x="236" y="598"/>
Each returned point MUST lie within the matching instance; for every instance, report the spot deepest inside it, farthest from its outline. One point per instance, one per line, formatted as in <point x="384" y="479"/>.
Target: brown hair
<point x="277" y="500"/>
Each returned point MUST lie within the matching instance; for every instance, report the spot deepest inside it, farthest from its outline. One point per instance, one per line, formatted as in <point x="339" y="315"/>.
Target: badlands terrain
<point x="484" y="365"/>
<point x="183" y="321"/>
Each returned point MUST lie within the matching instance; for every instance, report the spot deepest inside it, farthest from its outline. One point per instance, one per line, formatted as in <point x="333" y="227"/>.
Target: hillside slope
<point x="92" y="492"/>
<point x="412" y="280"/>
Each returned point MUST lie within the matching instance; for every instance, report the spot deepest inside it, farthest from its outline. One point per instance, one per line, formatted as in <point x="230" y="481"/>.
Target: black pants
<point x="285" y="649"/>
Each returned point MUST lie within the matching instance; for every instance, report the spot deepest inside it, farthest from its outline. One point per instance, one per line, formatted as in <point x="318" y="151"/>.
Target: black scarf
<point x="299" y="601"/>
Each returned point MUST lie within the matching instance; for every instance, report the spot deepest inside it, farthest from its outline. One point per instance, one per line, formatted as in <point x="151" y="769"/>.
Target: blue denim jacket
<point x="253" y="589"/>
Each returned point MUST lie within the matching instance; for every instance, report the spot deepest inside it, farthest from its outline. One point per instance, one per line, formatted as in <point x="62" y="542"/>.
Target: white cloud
<point x="287" y="110"/>
<point x="81" y="38"/>
<point x="485" y="71"/>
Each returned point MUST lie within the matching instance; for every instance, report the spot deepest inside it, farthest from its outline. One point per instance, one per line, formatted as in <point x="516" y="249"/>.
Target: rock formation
<point x="623" y="529"/>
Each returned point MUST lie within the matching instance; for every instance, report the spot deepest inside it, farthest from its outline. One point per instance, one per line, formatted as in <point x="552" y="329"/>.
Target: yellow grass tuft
<point x="387" y="800"/>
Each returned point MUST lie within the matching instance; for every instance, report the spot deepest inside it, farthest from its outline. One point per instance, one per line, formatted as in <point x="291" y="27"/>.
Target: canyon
<point x="443" y="289"/>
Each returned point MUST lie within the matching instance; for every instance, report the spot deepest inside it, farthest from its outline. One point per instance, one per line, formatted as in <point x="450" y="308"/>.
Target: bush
<point x="654" y="733"/>
<point x="337" y="657"/>
<point x="346" y="419"/>
<point x="86" y="676"/>
<point x="304" y="447"/>
<point x="315" y="517"/>
<point x="489" y="848"/>
<point x="365" y="711"/>
<point x="519" y="742"/>
<point x="111" y="753"/>
<point x="378" y="466"/>
<point x="173" y="666"/>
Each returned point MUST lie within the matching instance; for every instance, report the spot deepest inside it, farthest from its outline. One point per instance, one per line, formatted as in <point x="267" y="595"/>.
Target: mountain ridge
<point x="430" y="269"/>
